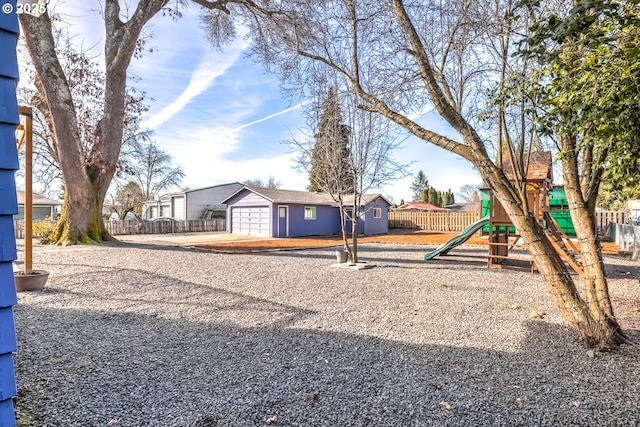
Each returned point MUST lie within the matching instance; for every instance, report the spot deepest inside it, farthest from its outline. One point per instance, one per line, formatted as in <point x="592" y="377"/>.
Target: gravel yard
<point x="142" y="335"/>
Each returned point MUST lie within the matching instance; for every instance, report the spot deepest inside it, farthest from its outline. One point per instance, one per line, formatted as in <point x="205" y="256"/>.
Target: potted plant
<point x="342" y="255"/>
<point x="28" y="279"/>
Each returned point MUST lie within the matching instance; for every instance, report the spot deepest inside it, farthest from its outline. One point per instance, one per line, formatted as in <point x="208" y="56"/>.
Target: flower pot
<point x="342" y="256"/>
<point x="34" y="281"/>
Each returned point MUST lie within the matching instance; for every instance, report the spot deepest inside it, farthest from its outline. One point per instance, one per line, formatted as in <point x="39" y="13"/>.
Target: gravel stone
<point x="139" y="335"/>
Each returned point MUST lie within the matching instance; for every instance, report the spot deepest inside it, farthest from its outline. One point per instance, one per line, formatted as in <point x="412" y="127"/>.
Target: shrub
<point x="43" y="228"/>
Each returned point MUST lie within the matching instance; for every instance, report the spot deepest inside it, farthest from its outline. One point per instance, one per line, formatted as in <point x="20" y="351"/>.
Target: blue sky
<point x="223" y="119"/>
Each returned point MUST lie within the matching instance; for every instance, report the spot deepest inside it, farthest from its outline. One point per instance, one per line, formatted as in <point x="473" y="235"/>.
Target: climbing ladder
<point x="562" y="244"/>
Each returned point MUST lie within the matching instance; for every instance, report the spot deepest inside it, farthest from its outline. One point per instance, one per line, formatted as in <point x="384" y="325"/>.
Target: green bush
<point x="43" y="228"/>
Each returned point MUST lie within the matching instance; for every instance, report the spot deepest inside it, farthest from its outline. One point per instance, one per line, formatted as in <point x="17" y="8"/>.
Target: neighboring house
<point x="287" y="213"/>
<point x="191" y="204"/>
<point x="42" y="207"/>
<point x="420" y="207"/>
<point x="464" y="207"/>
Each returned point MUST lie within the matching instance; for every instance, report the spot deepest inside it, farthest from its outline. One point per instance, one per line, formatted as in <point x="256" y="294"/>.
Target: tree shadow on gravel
<point x="164" y="246"/>
<point x="617" y="270"/>
<point x="386" y="255"/>
<point x="82" y="367"/>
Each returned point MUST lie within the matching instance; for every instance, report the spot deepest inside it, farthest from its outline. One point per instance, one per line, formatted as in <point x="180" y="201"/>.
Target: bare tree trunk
<point x="355" y="219"/>
<point x="343" y="225"/>
<point x="80" y="210"/>
<point x="74" y="222"/>
<point x="555" y="275"/>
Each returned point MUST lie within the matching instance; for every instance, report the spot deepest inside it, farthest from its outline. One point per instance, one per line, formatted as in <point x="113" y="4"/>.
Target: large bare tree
<point x="86" y="176"/>
<point x="400" y="56"/>
<point x="87" y="173"/>
<point x="85" y="79"/>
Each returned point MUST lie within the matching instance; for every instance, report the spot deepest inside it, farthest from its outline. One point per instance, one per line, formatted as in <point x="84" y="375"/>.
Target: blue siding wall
<point x="376" y="225"/>
<point x="9" y="118"/>
<point x="360" y="222"/>
<point x="327" y="221"/>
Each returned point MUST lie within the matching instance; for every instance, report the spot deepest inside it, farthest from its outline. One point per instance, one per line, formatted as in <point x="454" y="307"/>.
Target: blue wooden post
<point x="9" y="118"/>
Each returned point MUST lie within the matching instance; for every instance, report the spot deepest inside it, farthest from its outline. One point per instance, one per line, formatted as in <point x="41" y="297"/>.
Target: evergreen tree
<point x="419" y="186"/>
<point x="451" y="198"/>
<point x="432" y="196"/>
<point x="331" y="151"/>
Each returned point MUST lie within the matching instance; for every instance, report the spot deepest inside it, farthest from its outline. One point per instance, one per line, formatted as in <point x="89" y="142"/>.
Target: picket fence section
<point x="603" y="218"/>
<point x="144" y="227"/>
<point x="18" y="229"/>
<point x="116" y="228"/>
<point x="433" y="220"/>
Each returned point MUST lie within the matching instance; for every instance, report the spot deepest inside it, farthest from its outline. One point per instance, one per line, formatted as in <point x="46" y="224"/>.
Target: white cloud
<point x="205" y="159"/>
<point x="212" y="66"/>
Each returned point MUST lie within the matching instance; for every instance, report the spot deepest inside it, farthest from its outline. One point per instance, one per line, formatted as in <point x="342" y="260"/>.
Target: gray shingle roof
<point x="38" y="199"/>
<point x="277" y="195"/>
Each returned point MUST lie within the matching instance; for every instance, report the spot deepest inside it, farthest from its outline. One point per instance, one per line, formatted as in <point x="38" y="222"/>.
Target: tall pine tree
<point x="331" y="169"/>
<point x="419" y="186"/>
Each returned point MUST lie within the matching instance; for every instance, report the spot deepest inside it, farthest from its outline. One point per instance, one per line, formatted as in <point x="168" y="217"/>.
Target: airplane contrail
<point x="270" y="116"/>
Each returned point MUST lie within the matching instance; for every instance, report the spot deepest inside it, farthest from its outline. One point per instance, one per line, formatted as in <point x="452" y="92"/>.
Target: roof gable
<point x="539" y="167"/>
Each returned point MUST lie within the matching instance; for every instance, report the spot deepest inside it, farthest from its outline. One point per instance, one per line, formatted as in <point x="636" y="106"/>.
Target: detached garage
<point x="273" y="212"/>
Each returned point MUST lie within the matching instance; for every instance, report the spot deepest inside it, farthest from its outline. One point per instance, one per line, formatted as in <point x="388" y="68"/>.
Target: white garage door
<point x="250" y="220"/>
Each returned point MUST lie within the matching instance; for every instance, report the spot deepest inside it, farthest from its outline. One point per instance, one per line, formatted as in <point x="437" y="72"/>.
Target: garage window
<point x="377" y="213"/>
<point x="309" y="212"/>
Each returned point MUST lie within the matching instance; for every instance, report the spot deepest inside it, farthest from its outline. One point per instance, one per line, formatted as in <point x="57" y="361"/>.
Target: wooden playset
<point x="539" y="179"/>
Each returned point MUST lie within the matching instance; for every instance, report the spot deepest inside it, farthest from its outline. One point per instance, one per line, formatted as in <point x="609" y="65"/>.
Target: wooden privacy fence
<point x="164" y="227"/>
<point x="433" y="220"/>
<point x="141" y="227"/>
<point x="18" y="229"/>
<point x="603" y="218"/>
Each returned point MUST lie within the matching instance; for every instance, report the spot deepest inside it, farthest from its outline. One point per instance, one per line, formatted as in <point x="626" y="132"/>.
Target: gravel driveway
<point x="135" y="335"/>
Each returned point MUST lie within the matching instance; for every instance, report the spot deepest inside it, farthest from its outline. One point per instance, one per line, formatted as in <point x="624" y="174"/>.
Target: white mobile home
<point x="191" y="204"/>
